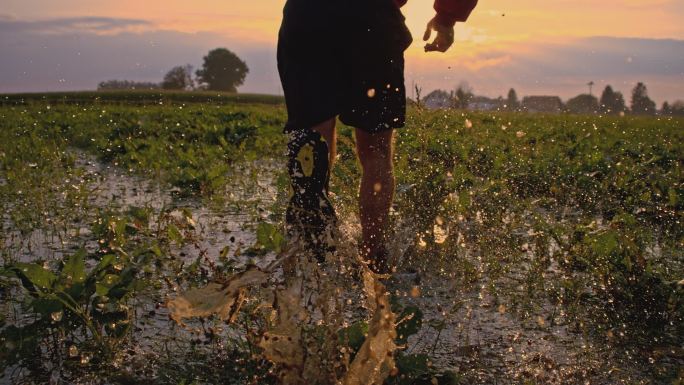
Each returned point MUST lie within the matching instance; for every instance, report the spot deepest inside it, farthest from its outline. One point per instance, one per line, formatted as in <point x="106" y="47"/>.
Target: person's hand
<point x="443" y="40"/>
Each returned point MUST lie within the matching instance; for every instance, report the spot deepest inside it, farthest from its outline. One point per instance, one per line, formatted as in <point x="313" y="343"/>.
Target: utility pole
<point x="590" y="84"/>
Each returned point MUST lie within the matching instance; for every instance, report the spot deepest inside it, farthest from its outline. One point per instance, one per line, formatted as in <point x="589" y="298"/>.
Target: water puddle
<point x="465" y="329"/>
<point x="115" y="189"/>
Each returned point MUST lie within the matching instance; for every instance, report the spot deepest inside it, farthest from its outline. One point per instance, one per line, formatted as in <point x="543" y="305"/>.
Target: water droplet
<point x="57" y="316"/>
<point x="415" y="292"/>
<point x="421" y="242"/>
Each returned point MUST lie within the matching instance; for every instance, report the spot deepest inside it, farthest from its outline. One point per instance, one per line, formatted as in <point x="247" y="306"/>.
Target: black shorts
<point x="343" y="58"/>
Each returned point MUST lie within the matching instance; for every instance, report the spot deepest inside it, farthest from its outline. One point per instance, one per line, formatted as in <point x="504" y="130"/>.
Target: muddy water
<point x="465" y="329"/>
<point x="113" y="188"/>
<point x="217" y="227"/>
<point x="469" y="331"/>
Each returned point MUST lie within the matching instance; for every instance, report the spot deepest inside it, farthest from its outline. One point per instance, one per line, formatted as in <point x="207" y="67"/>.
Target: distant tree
<point x="222" y="70"/>
<point x="512" y="100"/>
<point x="612" y="102"/>
<point x="677" y="108"/>
<point x="179" y="78"/>
<point x="113" y="85"/>
<point x="666" y="109"/>
<point x="437" y="99"/>
<point x="583" y="104"/>
<point x="641" y="103"/>
<point x="463" y="95"/>
<point x="550" y="104"/>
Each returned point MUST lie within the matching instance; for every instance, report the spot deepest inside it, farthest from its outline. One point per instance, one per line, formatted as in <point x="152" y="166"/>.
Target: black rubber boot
<point x="310" y="215"/>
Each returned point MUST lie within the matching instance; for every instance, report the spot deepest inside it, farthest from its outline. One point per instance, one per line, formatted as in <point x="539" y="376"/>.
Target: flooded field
<point x="551" y="257"/>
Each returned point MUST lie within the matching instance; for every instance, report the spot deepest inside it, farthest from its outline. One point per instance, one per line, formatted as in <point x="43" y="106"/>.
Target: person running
<point x="345" y="58"/>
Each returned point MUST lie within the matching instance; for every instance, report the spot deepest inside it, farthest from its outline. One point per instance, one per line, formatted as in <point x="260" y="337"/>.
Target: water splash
<point x="375" y="360"/>
<point x="309" y="309"/>
<point x="222" y="299"/>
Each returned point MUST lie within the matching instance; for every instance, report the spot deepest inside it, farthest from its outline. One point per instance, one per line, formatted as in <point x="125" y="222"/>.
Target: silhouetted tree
<point x="666" y="110"/>
<point x="463" y="95"/>
<point x="222" y="70"/>
<point x="179" y="78"/>
<point x="677" y="108"/>
<point x="583" y="104"/>
<point x="512" y="100"/>
<point x="612" y="102"/>
<point x="437" y="99"/>
<point x="641" y="103"/>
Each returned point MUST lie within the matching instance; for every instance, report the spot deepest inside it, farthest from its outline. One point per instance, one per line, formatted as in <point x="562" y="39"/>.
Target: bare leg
<point x="328" y="131"/>
<point x="376" y="192"/>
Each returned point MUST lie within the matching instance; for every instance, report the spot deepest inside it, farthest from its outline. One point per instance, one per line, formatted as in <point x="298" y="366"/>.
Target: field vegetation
<point x="565" y="231"/>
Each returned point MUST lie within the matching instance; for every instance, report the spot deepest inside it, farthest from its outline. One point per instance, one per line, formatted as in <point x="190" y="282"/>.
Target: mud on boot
<point x="310" y="216"/>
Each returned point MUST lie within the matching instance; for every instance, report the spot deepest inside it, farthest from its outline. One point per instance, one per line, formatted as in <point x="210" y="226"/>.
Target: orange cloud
<point x="481" y="63"/>
<point x="257" y="21"/>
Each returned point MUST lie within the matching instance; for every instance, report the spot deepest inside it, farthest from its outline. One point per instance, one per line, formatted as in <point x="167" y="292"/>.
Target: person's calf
<point x="375" y="200"/>
<point x="375" y="195"/>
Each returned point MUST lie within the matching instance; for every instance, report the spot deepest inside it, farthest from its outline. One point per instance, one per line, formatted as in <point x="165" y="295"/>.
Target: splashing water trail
<point x="310" y="307"/>
<point x="224" y="299"/>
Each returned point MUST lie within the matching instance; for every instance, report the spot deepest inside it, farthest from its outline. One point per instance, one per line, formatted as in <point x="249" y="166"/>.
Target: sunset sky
<point x="538" y="47"/>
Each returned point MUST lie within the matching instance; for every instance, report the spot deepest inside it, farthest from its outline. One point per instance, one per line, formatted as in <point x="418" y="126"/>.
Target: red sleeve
<point x="451" y="11"/>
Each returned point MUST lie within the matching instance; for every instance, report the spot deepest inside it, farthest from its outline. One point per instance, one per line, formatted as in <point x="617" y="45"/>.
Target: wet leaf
<point x="411" y="367"/>
<point x="605" y="243"/>
<point x="34" y="276"/>
<point x="354" y="335"/>
<point x="45" y="306"/>
<point x="103" y="286"/>
<point x="73" y="271"/>
<point x="411" y="320"/>
<point x="269" y="237"/>
<point x="174" y="234"/>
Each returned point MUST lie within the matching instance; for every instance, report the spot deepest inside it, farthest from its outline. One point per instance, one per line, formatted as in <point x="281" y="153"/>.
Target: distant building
<point x="438" y="99"/>
<point x="551" y="104"/>
<point x="483" y="103"/>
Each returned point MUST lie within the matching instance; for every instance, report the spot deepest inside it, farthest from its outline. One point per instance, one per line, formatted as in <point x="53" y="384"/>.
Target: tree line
<point x="222" y="70"/>
<point x="610" y="102"/>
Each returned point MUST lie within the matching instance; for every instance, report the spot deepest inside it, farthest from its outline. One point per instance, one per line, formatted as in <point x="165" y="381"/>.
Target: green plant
<point x="86" y="311"/>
